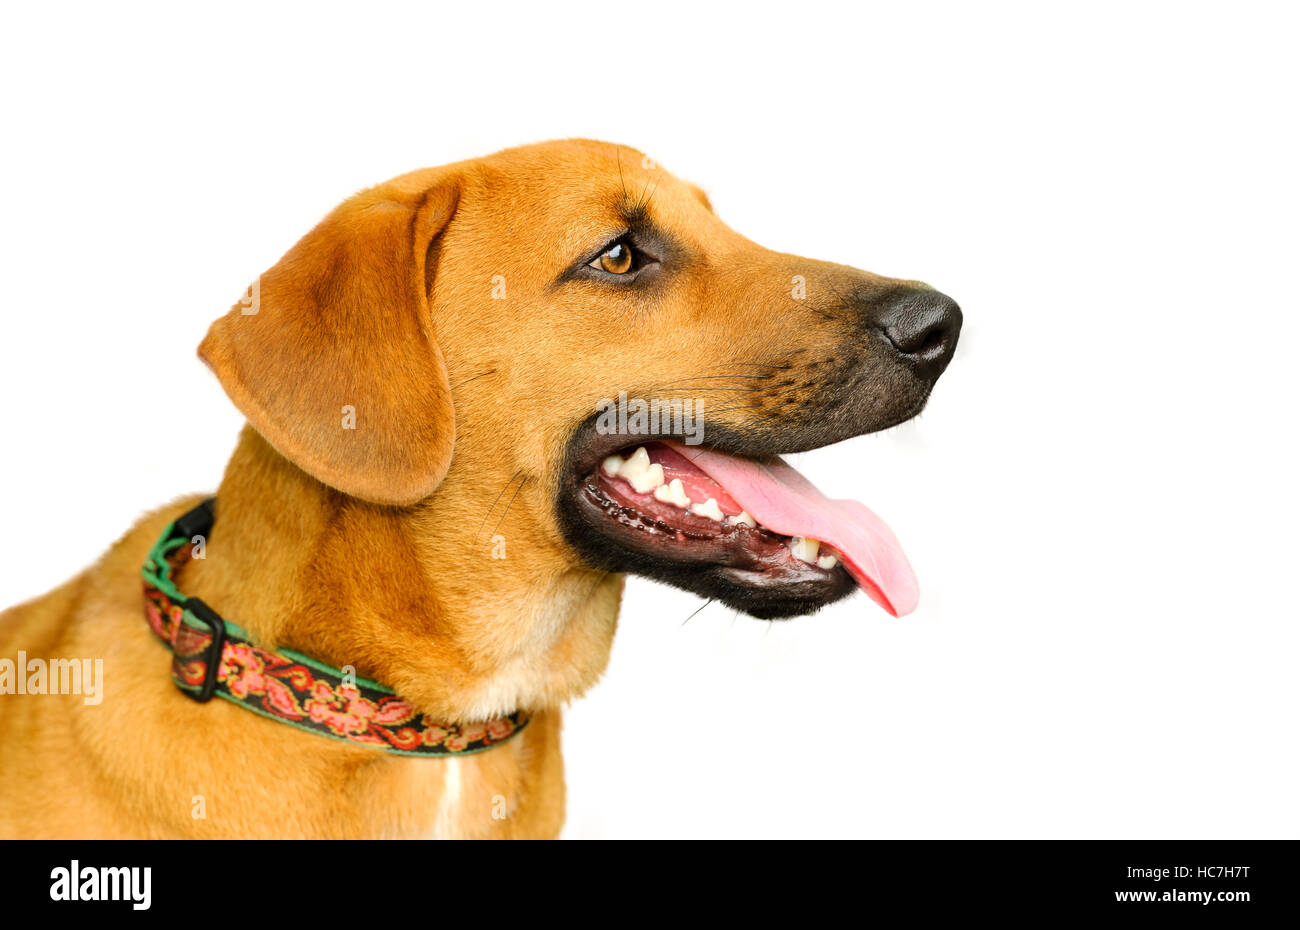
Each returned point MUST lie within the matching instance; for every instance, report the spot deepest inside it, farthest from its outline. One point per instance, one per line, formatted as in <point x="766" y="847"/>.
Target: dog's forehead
<point x="583" y="174"/>
<point x="573" y="192"/>
<point x="569" y="156"/>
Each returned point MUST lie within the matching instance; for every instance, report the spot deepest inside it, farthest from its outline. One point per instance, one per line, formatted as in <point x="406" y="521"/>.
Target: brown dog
<point x="432" y="489"/>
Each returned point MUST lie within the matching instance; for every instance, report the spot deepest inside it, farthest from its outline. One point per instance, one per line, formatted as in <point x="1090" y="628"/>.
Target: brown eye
<point x="617" y="259"/>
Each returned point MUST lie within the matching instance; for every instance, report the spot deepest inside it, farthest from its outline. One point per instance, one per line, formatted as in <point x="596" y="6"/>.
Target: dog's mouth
<point x="751" y="532"/>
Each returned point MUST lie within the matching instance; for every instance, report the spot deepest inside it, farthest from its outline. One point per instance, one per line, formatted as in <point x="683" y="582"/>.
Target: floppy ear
<point x="332" y="357"/>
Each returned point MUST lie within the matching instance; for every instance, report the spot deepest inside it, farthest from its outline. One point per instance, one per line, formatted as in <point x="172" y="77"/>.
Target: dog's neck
<point x="406" y="596"/>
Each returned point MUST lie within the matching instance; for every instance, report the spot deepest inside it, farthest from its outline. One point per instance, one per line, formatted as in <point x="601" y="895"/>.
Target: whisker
<point x="744" y="364"/>
<point x="481" y="374"/>
<point x="645" y="200"/>
<point x="845" y="303"/>
<point x="508" y="506"/>
<point x="744" y="390"/>
<point x="618" y="155"/>
<point x="696" y="611"/>
<point x="753" y="406"/>
<point x="496" y="501"/>
<point x="824" y="314"/>
<point x="713" y="378"/>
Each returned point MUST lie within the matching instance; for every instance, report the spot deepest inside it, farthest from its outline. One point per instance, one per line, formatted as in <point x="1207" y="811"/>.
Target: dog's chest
<point x="513" y="790"/>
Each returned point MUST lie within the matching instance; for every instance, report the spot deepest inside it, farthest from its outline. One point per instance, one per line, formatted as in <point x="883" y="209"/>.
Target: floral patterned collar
<point x="211" y="656"/>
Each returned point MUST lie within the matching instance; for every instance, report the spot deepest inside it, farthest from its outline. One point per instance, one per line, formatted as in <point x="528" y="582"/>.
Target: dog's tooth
<point x="804" y="549"/>
<point x="709" y="509"/>
<point x="611" y="465"/>
<point x="654" y="478"/>
<point x="827" y="561"/>
<point x="638" y="472"/>
<point x="745" y="518"/>
<point x="674" y="492"/>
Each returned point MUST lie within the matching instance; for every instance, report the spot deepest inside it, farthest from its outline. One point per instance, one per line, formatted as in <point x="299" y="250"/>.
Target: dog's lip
<point x="752" y="553"/>
<point x="592" y="447"/>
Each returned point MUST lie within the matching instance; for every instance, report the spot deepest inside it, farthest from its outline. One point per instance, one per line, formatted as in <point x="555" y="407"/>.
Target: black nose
<point x="922" y="325"/>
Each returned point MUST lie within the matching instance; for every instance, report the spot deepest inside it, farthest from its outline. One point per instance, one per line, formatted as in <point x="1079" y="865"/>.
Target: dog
<point x="436" y="490"/>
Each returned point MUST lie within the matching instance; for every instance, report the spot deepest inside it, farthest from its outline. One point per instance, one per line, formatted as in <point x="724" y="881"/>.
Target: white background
<point x="1099" y="501"/>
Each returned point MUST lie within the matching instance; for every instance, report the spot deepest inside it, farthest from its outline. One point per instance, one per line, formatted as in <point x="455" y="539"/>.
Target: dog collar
<point x="212" y="656"/>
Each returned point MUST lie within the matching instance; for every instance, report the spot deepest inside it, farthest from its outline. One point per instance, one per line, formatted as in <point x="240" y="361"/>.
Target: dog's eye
<point x="619" y="258"/>
<point x="620" y="262"/>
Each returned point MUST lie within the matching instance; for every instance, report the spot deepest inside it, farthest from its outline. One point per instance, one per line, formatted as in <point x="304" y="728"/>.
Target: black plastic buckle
<point x="196" y="522"/>
<point x="212" y="658"/>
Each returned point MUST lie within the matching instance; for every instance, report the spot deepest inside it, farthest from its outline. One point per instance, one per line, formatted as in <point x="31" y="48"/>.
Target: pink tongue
<point x="786" y="502"/>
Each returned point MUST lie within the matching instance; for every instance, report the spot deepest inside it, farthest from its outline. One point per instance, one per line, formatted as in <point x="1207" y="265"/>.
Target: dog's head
<point x="568" y="333"/>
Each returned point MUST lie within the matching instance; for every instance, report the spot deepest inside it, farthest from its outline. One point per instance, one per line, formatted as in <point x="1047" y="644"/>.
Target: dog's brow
<point x="630" y="216"/>
<point x="635" y="213"/>
<point x="648" y="235"/>
<point x="665" y="247"/>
